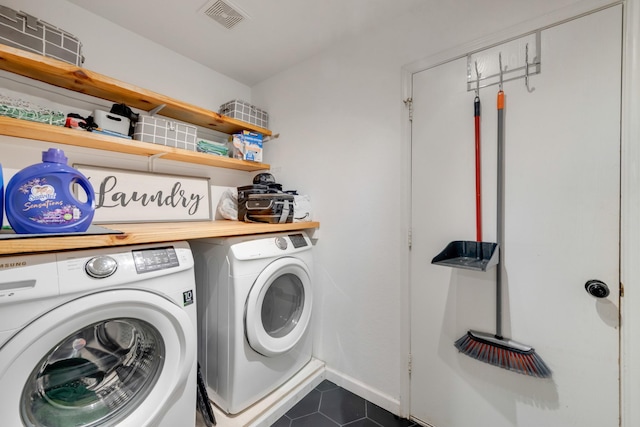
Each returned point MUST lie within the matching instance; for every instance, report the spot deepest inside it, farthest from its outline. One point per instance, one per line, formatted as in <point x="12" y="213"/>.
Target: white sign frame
<point x="129" y="196"/>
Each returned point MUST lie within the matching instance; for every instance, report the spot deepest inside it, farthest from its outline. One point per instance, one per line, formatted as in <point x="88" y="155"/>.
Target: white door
<point x="562" y="167"/>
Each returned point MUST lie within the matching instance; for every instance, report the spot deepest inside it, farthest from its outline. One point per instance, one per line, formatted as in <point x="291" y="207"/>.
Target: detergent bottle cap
<point x="54" y="155"/>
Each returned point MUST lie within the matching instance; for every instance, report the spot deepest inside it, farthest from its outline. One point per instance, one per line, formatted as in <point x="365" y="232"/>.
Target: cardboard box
<point x="247" y="146"/>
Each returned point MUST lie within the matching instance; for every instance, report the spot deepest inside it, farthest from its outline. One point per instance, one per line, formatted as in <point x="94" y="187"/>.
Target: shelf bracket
<point x="151" y="161"/>
<point x="155" y="110"/>
<point x="269" y="138"/>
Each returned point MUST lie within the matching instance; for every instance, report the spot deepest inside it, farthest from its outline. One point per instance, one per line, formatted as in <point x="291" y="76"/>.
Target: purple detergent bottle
<point x="1" y="197"/>
<point x="39" y="198"/>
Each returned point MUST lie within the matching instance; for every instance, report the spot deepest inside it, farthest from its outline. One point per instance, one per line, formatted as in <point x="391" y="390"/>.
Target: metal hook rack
<point x="523" y="60"/>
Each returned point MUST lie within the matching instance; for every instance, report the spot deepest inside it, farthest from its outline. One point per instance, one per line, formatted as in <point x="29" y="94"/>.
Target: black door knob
<point x="597" y="288"/>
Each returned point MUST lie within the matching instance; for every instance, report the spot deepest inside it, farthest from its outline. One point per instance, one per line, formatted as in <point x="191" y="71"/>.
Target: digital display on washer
<point x="298" y="240"/>
<point x="154" y="259"/>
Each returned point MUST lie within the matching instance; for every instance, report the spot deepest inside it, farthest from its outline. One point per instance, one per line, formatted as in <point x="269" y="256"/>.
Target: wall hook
<point x="477" y="80"/>
<point x="500" y="62"/>
<point x="526" y="69"/>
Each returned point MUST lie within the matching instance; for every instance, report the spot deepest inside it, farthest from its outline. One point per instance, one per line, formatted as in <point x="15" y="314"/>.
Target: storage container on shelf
<point x="165" y="132"/>
<point x="111" y="122"/>
<point x="26" y="32"/>
<point x="242" y="110"/>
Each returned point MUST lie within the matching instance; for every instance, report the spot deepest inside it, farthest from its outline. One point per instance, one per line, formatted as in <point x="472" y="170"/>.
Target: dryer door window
<point x="98" y="373"/>
<point x="282" y="305"/>
<point x="278" y="308"/>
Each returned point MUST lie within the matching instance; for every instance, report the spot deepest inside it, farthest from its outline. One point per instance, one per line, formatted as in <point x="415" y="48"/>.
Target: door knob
<point x="597" y="288"/>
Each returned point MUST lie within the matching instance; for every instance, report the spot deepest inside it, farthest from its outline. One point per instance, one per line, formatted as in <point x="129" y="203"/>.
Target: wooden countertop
<point x="146" y="233"/>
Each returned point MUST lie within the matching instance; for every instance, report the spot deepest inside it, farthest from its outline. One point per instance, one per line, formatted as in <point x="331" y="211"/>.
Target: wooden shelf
<point x="84" y="81"/>
<point x="68" y="76"/>
<point x="79" y="138"/>
<point x="147" y="233"/>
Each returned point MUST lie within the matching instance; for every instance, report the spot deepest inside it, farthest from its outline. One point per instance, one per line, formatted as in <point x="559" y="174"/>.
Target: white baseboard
<point x="274" y="406"/>
<point x="368" y="393"/>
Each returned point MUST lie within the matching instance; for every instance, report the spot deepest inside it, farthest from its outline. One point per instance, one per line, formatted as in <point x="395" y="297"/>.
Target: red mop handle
<point x="476" y="115"/>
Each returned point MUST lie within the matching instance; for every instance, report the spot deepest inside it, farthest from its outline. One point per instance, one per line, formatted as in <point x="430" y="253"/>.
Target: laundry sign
<point x="134" y="196"/>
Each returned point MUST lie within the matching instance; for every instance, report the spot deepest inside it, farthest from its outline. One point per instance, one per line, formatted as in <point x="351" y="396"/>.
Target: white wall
<point x="123" y="55"/>
<point x="340" y="116"/>
<point x="120" y="54"/>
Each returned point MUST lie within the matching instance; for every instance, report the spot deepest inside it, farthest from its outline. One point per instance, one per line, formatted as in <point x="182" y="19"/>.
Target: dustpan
<point x="472" y="255"/>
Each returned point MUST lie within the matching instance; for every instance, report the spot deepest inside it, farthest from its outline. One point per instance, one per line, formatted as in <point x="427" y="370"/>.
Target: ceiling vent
<point x="224" y="13"/>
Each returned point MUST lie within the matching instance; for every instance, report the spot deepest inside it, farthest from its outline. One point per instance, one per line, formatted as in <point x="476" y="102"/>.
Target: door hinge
<point x="410" y="363"/>
<point x="410" y="238"/>
<point x="409" y="104"/>
<point x="621" y="290"/>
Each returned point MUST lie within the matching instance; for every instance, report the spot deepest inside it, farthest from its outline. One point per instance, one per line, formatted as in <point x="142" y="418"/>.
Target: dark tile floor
<point x="329" y="405"/>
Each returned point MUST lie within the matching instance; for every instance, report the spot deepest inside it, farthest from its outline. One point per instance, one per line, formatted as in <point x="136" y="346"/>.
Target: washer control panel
<point x="154" y="259"/>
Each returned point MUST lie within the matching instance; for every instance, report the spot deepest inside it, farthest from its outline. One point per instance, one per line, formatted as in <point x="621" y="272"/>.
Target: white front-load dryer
<point x="101" y="337"/>
<point x="254" y="314"/>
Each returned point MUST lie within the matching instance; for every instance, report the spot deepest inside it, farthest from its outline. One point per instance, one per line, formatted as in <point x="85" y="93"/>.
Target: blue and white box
<point x="247" y="146"/>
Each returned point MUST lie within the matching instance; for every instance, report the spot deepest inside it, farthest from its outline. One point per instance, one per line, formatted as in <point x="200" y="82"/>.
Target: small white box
<point x="111" y="122"/>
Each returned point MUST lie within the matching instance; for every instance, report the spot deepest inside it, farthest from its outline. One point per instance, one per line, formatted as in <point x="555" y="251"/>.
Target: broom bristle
<point x="525" y="362"/>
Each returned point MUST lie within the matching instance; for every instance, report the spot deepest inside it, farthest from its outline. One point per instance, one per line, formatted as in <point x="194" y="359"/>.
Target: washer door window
<point x="98" y="373"/>
<point x="110" y="358"/>
<point x="278" y="308"/>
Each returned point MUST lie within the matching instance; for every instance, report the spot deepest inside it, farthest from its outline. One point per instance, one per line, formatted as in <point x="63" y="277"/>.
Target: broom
<point x="494" y="348"/>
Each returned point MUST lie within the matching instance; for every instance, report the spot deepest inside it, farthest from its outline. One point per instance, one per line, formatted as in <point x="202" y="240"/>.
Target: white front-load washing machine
<point x="254" y="314"/>
<point x="101" y="337"/>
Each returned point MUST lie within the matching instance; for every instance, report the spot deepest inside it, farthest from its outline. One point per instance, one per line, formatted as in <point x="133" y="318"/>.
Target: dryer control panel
<point x="298" y="240"/>
<point x="270" y="246"/>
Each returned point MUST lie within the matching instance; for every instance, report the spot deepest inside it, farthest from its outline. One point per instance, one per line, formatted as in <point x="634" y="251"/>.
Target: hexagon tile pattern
<point x="328" y="405"/>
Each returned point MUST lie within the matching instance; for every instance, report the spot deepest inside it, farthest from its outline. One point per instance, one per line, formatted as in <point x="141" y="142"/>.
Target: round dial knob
<point x="597" y="288"/>
<point x="281" y="243"/>
<point x="101" y="266"/>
